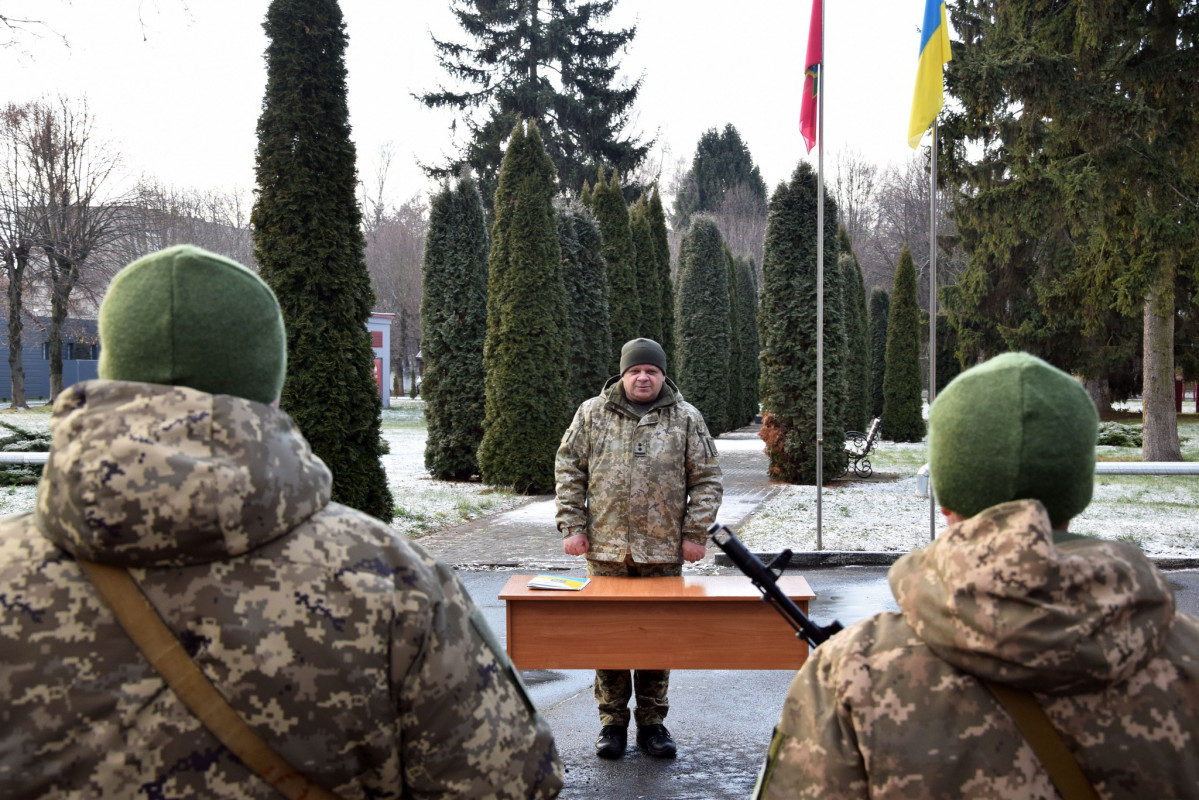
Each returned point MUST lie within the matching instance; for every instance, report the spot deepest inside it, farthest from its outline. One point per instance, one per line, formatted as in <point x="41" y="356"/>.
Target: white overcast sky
<point x="176" y="85"/>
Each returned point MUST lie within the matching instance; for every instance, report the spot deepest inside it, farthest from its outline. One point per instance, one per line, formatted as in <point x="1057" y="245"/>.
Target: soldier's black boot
<point x="612" y="741"/>
<point x="655" y="740"/>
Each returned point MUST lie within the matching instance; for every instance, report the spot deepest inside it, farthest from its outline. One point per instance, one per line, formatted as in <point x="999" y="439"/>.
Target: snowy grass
<point x="883" y="513"/>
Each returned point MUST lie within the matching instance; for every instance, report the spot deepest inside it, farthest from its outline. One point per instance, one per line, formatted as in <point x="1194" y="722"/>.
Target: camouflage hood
<point x="147" y="475"/>
<point x="996" y="597"/>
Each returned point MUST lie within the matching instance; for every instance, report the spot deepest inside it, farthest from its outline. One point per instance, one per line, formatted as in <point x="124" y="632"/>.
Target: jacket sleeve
<point x="571" y="473"/>
<point x="704" y="487"/>
<point x="814" y="752"/>
<point x="469" y="728"/>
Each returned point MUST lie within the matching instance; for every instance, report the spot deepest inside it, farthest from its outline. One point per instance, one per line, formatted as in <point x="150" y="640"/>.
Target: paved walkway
<point x="526" y="538"/>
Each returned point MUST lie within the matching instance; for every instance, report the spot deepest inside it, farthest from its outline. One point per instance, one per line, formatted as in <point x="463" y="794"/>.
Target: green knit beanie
<point x="1013" y="428"/>
<point x="187" y="317"/>
<point x="642" y="351"/>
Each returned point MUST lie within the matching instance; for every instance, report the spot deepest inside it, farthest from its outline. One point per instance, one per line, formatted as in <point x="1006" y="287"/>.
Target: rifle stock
<point x="766" y="581"/>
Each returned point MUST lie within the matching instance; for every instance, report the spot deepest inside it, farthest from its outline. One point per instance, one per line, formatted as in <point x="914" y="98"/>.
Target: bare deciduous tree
<point x="68" y="174"/>
<point x="395" y="247"/>
<point x="17" y="234"/>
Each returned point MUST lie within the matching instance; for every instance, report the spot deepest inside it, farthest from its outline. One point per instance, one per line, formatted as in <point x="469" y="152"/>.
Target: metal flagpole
<point x="820" y="288"/>
<point x="932" y="316"/>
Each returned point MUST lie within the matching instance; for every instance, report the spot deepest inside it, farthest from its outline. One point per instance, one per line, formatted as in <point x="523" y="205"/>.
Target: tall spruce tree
<point x="661" y="242"/>
<point x="788" y="328"/>
<point x="1082" y="126"/>
<point x="880" y="310"/>
<point x="902" y="402"/>
<point x="747" y="319"/>
<point x="624" y="303"/>
<point x="645" y="266"/>
<point x="309" y="247"/>
<point x="722" y="162"/>
<point x="702" y="323"/>
<point x="586" y="300"/>
<point x="857" y="364"/>
<point x="549" y="61"/>
<point x="527" y="397"/>
<point x="453" y="327"/>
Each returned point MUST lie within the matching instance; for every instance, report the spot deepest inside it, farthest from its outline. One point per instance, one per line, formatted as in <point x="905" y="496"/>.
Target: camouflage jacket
<point x="891" y="707"/>
<point x="634" y="483"/>
<point x="360" y="658"/>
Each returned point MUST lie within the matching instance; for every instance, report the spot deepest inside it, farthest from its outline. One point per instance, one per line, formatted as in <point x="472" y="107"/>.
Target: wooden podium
<point x="689" y="622"/>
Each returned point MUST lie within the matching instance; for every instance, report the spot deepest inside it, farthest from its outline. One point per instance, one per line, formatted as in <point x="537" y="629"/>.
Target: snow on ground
<point x="884" y="514"/>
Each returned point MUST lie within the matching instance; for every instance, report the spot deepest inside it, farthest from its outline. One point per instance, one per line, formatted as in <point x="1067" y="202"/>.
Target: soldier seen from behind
<point x="1005" y="607"/>
<point x="356" y="656"/>
<point x="638" y="484"/>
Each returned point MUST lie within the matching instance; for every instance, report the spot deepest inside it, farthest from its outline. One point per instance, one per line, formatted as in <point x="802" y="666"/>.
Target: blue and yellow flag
<point x="934" y="54"/>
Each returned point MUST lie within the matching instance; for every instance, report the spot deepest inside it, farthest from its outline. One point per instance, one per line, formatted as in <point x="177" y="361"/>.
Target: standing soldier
<point x="638" y="484"/>
<point x="1007" y="623"/>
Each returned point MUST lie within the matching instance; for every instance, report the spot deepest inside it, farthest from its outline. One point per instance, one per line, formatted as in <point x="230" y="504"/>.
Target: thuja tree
<point x="526" y="317"/>
<point x="736" y="397"/>
<point x="645" y="267"/>
<point x="857" y="360"/>
<point x="788" y="329"/>
<point x="309" y="247"/>
<point x="453" y="325"/>
<point x="586" y="284"/>
<point x="624" y="306"/>
<point x="702" y="323"/>
<point x="661" y="241"/>
<point x="880" y="308"/>
<point x="747" y="321"/>
<point x="902" y="401"/>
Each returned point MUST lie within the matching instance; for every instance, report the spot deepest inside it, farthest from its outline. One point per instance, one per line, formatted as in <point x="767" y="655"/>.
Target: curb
<point x="813" y="559"/>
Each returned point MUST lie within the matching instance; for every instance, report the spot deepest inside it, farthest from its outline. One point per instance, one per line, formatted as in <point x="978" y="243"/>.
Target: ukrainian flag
<point x="934" y="53"/>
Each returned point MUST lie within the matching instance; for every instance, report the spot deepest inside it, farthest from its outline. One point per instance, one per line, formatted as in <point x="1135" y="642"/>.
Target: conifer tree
<point x="902" y="403"/>
<point x="702" y="323"/>
<point x="948" y="366"/>
<point x="526" y="318"/>
<point x="857" y="364"/>
<point x="624" y="305"/>
<point x="649" y="293"/>
<point x="550" y="61"/>
<point x="309" y="247"/>
<point x="586" y="285"/>
<point x="747" y="298"/>
<point x="880" y="310"/>
<point x="736" y="401"/>
<point x="787" y="325"/>
<point x="453" y="326"/>
<point x="661" y="241"/>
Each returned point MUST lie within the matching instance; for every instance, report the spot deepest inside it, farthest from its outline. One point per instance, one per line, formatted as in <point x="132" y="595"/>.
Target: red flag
<point x="811" y="78"/>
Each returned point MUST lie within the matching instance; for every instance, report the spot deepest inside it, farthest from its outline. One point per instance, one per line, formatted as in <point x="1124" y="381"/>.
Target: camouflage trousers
<point x="615" y="687"/>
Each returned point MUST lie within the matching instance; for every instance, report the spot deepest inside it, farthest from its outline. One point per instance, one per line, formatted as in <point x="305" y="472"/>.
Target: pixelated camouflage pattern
<point x="614" y="688"/>
<point x="637" y="484"/>
<point x="359" y="657"/>
<point x="890" y="707"/>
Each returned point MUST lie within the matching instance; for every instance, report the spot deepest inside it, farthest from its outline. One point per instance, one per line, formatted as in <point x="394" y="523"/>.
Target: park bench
<point x="858" y="446"/>
<point x="688" y="622"/>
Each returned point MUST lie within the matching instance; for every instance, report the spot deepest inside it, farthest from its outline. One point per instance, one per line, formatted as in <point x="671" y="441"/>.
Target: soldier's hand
<point x="693" y="551"/>
<point x="576" y="545"/>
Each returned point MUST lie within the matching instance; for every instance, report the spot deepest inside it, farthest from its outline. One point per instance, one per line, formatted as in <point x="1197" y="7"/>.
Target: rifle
<point x="766" y="580"/>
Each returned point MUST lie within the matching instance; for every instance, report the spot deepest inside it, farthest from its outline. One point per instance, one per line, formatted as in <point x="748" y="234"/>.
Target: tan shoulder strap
<point x="1045" y="741"/>
<point x="143" y="624"/>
